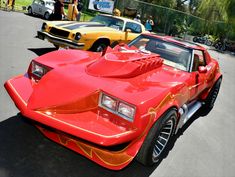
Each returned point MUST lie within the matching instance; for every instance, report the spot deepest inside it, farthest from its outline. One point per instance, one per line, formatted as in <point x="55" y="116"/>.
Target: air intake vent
<point x="58" y="32"/>
<point x="124" y="64"/>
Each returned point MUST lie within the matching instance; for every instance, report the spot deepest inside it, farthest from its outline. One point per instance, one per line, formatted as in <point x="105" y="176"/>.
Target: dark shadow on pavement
<point x="24" y="151"/>
<point x="42" y="51"/>
<point x="199" y="114"/>
<point x="34" y="15"/>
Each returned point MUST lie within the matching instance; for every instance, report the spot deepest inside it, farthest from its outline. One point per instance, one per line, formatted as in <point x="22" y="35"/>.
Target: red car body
<point x="65" y="101"/>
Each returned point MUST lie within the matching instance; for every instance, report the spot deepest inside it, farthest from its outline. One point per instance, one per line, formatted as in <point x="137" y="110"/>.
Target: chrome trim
<point x="191" y="63"/>
<point x="186" y="112"/>
<point x="161" y="141"/>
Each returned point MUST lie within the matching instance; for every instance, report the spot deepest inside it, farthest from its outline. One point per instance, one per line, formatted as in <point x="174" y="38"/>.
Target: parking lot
<point x="203" y="148"/>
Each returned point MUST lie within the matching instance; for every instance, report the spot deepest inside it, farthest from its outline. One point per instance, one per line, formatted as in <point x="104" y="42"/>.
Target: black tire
<point x="46" y="16"/>
<point x="208" y="43"/>
<point x="30" y="10"/>
<point x="195" y="39"/>
<point x="99" y="46"/>
<point x="223" y="48"/>
<point x="152" y="150"/>
<point x="210" y="100"/>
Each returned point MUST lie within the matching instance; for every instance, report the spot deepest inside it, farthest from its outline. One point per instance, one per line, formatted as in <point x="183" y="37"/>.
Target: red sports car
<point x="122" y="104"/>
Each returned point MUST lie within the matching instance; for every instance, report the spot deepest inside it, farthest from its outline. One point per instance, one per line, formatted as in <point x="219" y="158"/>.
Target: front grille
<point x="58" y="32"/>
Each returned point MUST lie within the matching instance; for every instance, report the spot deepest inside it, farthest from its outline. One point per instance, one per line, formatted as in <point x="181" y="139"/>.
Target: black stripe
<point x="62" y="24"/>
<point x="72" y="27"/>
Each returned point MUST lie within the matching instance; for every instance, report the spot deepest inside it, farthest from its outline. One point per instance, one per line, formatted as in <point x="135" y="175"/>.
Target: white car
<point x="42" y="7"/>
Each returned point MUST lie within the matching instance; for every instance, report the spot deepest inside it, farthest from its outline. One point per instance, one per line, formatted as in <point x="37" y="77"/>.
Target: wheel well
<point x="114" y="44"/>
<point x="206" y="93"/>
<point x="165" y="111"/>
<point x="46" y="13"/>
<point x="101" y="40"/>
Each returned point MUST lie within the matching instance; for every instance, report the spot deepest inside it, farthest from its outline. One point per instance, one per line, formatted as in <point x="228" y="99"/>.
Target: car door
<point x="35" y="6"/>
<point x="41" y="7"/>
<point x="201" y="73"/>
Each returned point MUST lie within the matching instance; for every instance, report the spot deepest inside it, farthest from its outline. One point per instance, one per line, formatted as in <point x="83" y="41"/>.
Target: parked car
<point x="43" y="8"/>
<point x="96" y="35"/>
<point x="126" y="103"/>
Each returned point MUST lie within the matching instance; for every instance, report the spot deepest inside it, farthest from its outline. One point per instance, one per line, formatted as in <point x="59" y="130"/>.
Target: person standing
<point x="116" y="12"/>
<point x="10" y="4"/>
<point x="73" y="11"/>
<point x="137" y="18"/>
<point x="79" y="7"/>
<point x="149" y="24"/>
<point x="58" y="10"/>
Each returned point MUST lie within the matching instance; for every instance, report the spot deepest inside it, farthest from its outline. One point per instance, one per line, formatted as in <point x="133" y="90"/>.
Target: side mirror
<point x="202" y="69"/>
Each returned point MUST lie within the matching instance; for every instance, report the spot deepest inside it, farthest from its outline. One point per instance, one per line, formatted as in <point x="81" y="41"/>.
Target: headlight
<point x="44" y="26"/>
<point x="37" y="70"/>
<point x="109" y="102"/>
<point x="126" y="110"/>
<point x="117" y="107"/>
<point x="77" y="36"/>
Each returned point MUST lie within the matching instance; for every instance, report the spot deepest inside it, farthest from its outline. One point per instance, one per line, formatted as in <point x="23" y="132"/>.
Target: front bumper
<point x="59" y="41"/>
<point x="89" y="143"/>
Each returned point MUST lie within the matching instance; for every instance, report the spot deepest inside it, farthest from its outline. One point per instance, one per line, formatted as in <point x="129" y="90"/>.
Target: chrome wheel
<point x="100" y="47"/>
<point x="162" y="139"/>
<point x="154" y="148"/>
<point x="47" y="16"/>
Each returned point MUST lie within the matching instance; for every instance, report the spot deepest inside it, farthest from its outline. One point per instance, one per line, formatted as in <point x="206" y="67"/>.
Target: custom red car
<point x="124" y="103"/>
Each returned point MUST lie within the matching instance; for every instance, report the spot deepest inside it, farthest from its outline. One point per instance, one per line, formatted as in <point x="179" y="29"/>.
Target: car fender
<point x="217" y="75"/>
<point x="31" y="8"/>
<point x="49" y="11"/>
<point x="91" y="44"/>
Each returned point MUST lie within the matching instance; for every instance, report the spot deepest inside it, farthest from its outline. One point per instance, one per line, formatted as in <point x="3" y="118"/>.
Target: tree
<point x="214" y="10"/>
<point x="181" y="5"/>
<point x="193" y="6"/>
<point x="231" y="18"/>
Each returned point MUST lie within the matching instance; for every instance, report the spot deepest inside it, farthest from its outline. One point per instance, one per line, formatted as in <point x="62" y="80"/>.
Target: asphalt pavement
<point x="205" y="147"/>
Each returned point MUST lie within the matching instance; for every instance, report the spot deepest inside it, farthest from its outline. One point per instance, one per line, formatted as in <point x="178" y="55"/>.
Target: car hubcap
<point x="47" y="16"/>
<point x="100" y="48"/>
<point x="162" y="139"/>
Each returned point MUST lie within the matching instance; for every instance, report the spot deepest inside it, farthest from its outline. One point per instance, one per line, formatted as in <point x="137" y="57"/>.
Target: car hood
<point x="81" y="26"/>
<point x="72" y="82"/>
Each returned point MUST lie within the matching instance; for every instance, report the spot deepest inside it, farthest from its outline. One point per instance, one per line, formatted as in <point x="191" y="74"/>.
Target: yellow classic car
<point x="95" y="35"/>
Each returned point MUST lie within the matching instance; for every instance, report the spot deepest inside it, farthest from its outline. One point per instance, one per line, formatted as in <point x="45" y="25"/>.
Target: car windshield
<point x="109" y="21"/>
<point x="172" y="54"/>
